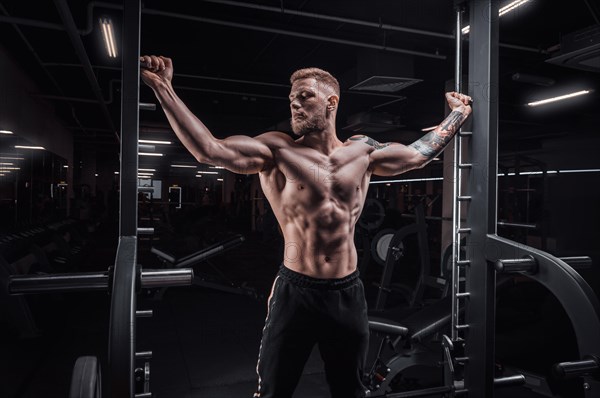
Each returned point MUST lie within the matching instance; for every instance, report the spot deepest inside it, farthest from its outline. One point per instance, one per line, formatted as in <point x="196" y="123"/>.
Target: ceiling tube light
<point x="6" y="132"/>
<point x="155" y="142"/>
<point x="10" y="158"/>
<point x="503" y="10"/>
<point x="150" y="154"/>
<point x="108" y="34"/>
<point x="29" y="147"/>
<point x="146" y="170"/>
<point x="6" y="164"/>
<point x="208" y="172"/>
<point x="559" y="98"/>
<point x="511" y="6"/>
<point x="219" y="179"/>
<point x="184" y="166"/>
<point x="408" y="180"/>
<point x="580" y="171"/>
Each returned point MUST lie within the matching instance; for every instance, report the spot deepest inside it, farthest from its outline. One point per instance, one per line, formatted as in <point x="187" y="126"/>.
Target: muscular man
<point x="316" y="185"/>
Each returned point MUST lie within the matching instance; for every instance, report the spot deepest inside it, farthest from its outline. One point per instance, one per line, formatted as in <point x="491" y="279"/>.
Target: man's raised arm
<point x="389" y="159"/>
<point x="240" y="154"/>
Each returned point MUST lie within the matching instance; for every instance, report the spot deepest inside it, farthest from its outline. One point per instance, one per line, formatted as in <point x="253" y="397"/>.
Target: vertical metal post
<point x="481" y="281"/>
<point x="122" y="333"/>
<point x="130" y="89"/>
<point x="456" y="216"/>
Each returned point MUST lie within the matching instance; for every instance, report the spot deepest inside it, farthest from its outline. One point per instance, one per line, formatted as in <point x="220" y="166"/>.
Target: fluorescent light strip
<point x="29" y="147"/>
<point x="208" y="172"/>
<point x="499" y="175"/>
<point x="580" y="171"/>
<point x="150" y="154"/>
<point x="559" y="98"/>
<point x="184" y="166"/>
<point x="6" y="164"/>
<point x="10" y="158"/>
<point x="6" y="132"/>
<point x="146" y="170"/>
<point x="219" y="179"/>
<point x="525" y="173"/>
<point x="503" y="10"/>
<point x="155" y="142"/>
<point x="511" y="6"/>
<point x="10" y="168"/>
<point x="107" y="31"/>
<point x="408" y="180"/>
<point x="111" y="40"/>
<point x="116" y="172"/>
<point x="216" y="167"/>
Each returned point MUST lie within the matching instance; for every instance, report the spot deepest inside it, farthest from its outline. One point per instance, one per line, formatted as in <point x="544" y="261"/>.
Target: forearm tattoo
<point x="370" y="141"/>
<point x="433" y="142"/>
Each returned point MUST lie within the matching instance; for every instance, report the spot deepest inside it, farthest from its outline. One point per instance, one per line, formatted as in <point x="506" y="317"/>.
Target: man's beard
<point x="306" y="126"/>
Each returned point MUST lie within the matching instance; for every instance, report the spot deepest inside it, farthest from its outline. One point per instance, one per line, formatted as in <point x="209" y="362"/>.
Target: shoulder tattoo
<point x="370" y="141"/>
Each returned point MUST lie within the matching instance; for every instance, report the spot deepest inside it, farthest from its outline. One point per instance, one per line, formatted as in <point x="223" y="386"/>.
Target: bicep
<point x="241" y="154"/>
<point x="392" y="158"/>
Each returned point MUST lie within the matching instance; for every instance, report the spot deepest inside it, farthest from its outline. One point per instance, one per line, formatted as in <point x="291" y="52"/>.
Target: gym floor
<point x="204" y="342"/>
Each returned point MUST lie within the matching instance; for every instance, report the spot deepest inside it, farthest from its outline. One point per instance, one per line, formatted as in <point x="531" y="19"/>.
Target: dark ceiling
<point x="232" y="65"/>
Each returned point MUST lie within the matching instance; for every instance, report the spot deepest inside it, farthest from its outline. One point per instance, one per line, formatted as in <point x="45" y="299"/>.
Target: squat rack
<point x="487" y="253"/>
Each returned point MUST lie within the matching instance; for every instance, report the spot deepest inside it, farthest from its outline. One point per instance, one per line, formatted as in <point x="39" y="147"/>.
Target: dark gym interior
<point x="60" y="184"/>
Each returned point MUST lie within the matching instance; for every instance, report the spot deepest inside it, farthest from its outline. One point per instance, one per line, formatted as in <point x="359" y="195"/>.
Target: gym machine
<point x="469" y="351"/>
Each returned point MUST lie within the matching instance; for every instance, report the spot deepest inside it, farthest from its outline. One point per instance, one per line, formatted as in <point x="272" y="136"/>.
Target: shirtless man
<point x="316" y="185"/>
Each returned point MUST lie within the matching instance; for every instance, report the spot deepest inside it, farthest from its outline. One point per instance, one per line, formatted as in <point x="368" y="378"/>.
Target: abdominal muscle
<point x="320" y="243"/>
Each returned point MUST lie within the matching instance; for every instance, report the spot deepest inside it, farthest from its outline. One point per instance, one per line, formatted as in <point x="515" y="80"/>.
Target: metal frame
<point x="122" y="334"/>
<point x="481" y="279"/>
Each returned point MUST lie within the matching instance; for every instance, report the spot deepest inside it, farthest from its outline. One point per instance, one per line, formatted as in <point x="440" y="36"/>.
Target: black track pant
<point x="305" y="311"/>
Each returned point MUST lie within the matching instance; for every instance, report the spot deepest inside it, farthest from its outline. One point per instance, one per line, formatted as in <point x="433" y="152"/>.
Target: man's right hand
<point x="156" y="70"/>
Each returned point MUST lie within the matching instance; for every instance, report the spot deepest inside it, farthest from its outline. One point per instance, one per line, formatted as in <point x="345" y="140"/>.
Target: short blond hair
<point x="320" y="75"/>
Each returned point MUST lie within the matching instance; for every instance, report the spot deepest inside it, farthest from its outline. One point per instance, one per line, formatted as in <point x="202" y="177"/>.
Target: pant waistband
<point x="302" y="280"/>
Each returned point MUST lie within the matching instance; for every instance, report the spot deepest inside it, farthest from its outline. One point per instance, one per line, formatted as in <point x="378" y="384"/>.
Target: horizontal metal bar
<point x="424" y="392"/>
<point x="509" y="381"/>
<point x="145" y="231"/>
<point x="517" y="225"/>
<point x="144" y="313"/>
<point x="285" y="32"/>
<point x="464" y="230"/>
<point x="143" y="355"/>
<point x="465" y="166"/>
<point x="462" y="295"/>
<point x="145" y="189"/>
<point x="569" y="370"/>
<point x="167" y="277"/>
<point x="465" y="133"/>
<point x="143" y="395"/>
<point x="462" y="359"/>
<point x="464" y="198"/>
<point x="513" y="265"/>
<point x="463" y="263"/>
<point x="145" y="106"/>
<point x="461" y="327"/>
<point x="23" y="284"/>
<point x="578" y="262"/>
